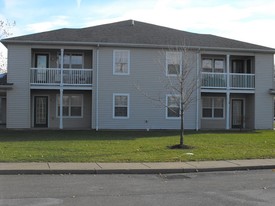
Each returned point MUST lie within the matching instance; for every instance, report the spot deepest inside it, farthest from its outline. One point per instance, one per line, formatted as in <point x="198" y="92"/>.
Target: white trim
<point x="231" y="100"/>
<point x="70" y="105"/>
<point x="166" y="63"/>
<point x="70" y="53"/>
<point x="43" y="52"/>
<point x="213" y="59"/>
<point x="212" y="108"/>
<point x="128" y="105"/>
<point x="197" y="90"/>
<point x="114" y="62"/>
<point x="167" y="106"/>
<point x="97" y="84"/>
<point x="33" y="107"/>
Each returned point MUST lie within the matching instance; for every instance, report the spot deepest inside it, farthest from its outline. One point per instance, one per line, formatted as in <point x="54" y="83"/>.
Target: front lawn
<point x="132" y="146"/>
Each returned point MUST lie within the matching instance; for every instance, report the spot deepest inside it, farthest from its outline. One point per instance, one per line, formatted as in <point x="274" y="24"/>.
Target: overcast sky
<point x="246" y="20"/>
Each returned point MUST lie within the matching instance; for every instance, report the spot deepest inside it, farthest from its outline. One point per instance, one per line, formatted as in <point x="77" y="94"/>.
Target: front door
<point x="41" y="62"/>
<point x="40" y="111"/>
<point x="237" y="113"/>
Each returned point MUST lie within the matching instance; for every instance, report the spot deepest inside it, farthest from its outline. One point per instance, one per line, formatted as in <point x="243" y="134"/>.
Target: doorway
<point x="237" y="113"/>
<point x="40" y="111"/>
<point x="41" y="62"/>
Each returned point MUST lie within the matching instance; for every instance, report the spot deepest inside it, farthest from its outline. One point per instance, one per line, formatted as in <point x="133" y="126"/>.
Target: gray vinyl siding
<point x="147" y="72"/>
<point x="250" y="112"/>
<point x="263" y="100"/>
<point x="18" y="98"/>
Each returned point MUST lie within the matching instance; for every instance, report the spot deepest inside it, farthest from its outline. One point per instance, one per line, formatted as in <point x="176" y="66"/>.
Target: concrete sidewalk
<point x="135" y="168"/>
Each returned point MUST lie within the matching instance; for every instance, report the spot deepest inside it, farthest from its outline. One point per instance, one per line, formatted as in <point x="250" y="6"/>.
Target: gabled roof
<point x="134" y="33"/>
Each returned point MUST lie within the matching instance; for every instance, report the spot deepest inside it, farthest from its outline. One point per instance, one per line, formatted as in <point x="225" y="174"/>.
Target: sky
<point x="251" y="21"/>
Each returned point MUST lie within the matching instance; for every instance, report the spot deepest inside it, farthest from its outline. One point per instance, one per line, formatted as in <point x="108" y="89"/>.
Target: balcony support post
<point x="227" y="92"/>
<point x="61" y="108"/>
<point x="61" y="90"/>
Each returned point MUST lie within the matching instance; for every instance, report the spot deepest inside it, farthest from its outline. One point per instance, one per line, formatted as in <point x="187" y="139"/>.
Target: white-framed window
<point x="173" y="63"/>
<point x="121" y="105"/>
<point x="172" y="106"/>
<point x="72" y="105"/>
<point x="213" y="107"/>
<point x="121" y="62"/>
<point x="213" y="65"/>
<point x="72" y="60"/>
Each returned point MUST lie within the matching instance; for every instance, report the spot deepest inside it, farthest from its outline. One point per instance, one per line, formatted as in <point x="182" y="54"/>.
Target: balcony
<point x="56" y="77"/>
<point x="210" y="80"/>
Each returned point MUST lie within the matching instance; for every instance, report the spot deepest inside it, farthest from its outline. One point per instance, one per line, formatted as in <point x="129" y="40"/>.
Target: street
<point x="213" y="188"/>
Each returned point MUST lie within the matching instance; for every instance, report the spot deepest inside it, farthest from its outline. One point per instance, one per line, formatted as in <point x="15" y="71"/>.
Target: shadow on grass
<point x="79" y="135"/>
<point x="84" y="135"/>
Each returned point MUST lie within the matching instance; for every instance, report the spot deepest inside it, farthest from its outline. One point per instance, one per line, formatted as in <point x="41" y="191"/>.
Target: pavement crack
<point x="98" y="165"/>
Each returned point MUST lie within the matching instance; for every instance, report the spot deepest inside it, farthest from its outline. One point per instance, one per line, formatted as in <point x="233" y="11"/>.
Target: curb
<point x="129" y="171"/>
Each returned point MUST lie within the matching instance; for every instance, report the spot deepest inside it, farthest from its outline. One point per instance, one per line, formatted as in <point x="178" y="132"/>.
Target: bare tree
<point x="180" y="81"/>
<point x="5" y="27"/>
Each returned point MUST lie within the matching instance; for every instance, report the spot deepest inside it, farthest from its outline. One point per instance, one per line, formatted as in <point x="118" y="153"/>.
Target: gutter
<point x="106" y="44"/>
<point x="6" y="86"/>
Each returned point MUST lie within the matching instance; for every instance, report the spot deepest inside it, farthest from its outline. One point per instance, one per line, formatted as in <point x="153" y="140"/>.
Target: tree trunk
<point x="181" y="127"/>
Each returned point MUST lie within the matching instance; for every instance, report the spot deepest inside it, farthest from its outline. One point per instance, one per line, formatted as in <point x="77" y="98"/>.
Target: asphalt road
<point x="244" y="188"/>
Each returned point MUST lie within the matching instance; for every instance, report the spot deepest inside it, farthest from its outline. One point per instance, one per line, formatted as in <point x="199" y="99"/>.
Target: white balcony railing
<point x="242" y="81"/>
<point x="213" y="80"/>
<point x="219" y="80"/>
<point x="52" y="76"/>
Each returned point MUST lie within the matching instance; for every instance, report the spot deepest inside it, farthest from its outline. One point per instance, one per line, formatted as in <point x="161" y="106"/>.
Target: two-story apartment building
<point x="86" y="79"/>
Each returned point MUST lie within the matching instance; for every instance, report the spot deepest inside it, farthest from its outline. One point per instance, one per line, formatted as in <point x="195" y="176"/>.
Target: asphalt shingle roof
<point x="135" y="33"/>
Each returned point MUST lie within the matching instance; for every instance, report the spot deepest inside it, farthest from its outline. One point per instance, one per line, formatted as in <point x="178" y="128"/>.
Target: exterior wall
<point x="68" y="123"/>
<point x="263" y="100"/>
<point x="18" y="98"/>
<point x="147" y="71"/>
<point x="147" y="75"/>
<point x="250" y="112"/>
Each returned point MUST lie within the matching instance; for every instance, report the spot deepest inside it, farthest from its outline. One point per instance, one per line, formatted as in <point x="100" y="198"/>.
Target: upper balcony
<point x="233" y="81"/>
<point x="55" y="77"/>
<point x="59" y="68"/>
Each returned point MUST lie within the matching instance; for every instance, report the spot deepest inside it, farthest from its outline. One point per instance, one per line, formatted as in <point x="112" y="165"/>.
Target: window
<point x="213" y="65"/>
<point x="173" y="106"/>
<point x="71" y="60"/>
<point x="213" y="107"/>
<point x="72" y="105"/>
<point x="173" y="63"/>
<point x="121" y="62"/>
<point x="121" y="106"/>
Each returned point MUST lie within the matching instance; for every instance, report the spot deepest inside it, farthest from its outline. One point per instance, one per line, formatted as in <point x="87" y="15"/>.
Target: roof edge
<point x="105" y="44"/>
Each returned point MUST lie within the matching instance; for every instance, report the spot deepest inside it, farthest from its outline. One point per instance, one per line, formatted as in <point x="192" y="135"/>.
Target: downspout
<point x="198" y="87"/>
<point x="61" y="90"/>
<point x="97" y="65"/>
<point x="227" y="92"/>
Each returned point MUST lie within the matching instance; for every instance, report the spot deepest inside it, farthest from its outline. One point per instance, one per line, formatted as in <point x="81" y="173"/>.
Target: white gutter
<point x="102" y="44"/>
<point x="61" y="91"/>
<point x="198" y="93"/>
<point x="97" y="65"/>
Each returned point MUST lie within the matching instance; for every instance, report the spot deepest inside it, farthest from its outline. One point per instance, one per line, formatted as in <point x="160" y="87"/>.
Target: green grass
<point x="132" y="146"/>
